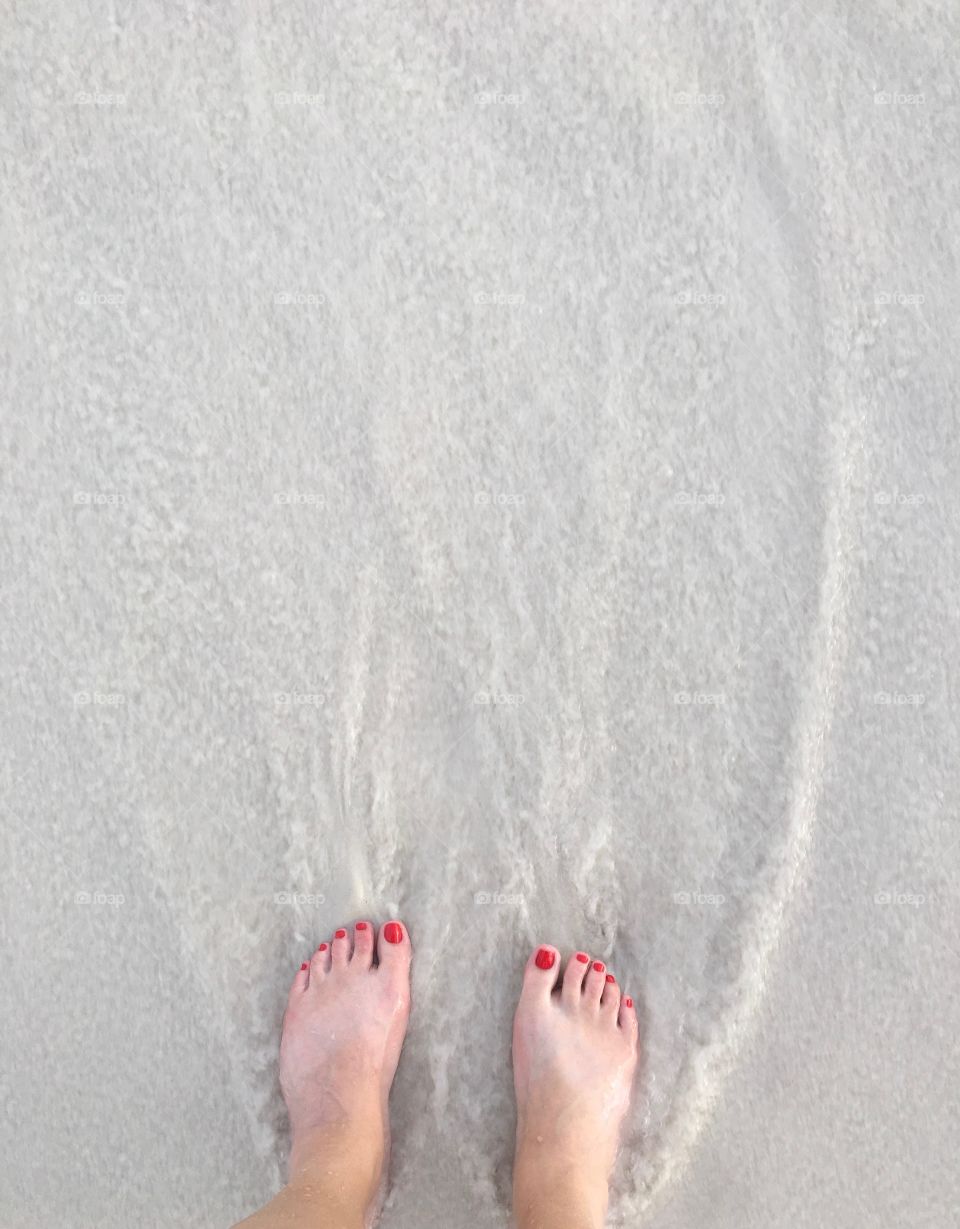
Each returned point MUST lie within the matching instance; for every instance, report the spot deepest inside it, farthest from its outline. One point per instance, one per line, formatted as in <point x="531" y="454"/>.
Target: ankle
<point x="556" y="1193"/>
<point x="302" y="1205"/>
<point x="338" y="1164"/>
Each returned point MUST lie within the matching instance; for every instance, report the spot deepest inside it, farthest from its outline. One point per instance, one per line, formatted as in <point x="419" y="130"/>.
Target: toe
<point x="394" y="950"/>
<point x="340" y="947"/>
<point x="300" y="983"/>
<point x="628" y="1017"/>
<point x="542" y="970"/>
<point x="573" y="976"/>
<point x="362" y="946"/>
<point x="594" y="983"/>
<point x="320" y="962"/>
<point x="610" y="999"/>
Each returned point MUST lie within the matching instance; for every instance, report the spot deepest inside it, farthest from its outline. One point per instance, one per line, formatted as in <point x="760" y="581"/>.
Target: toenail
<point x="393" y="932"/>
<point x="545" y="958"/>
<point x="628" y="1001"/>
<point x="610" y="977"/>
<point x="341" y="934"/>
<point x="304" y="966"/>
<point x="322" y="947"/>
<point x="583" y="957"/>
<point x="598" y="966"/>
<point x="361" y="925"/>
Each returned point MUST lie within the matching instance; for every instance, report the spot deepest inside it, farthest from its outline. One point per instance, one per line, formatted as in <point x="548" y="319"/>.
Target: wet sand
<point x="498" y="468"/>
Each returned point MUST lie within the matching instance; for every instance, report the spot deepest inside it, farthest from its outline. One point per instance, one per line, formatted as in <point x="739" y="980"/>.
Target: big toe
<point x="394" y="951"/>
<point x="541" y="973"/>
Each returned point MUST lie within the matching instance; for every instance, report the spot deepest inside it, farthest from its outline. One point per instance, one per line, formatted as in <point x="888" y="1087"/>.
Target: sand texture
<point x="495" y="465"/>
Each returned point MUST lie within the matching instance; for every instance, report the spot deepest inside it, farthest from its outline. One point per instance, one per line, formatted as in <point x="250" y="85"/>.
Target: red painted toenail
<point x="361" y="925"/>
<point x="610" y="977"/>
<point x="598" y="966"/>
<point x="323" y="947"/>
<point x="341" y="934"/>
<point x="393" y="932"/>
<point x="545" y="958"/>
<point x="303" y="966"/>
<point x="583" y="957"/>
<point x="628" y="1001"/>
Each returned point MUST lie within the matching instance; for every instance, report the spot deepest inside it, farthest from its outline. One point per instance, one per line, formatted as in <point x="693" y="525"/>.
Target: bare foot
<point x="342" y="1033"/>
<point x="574" y="1059"/>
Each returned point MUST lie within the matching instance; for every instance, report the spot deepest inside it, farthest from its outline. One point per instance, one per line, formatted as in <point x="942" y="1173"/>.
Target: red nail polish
<point x="598" y="966"/>
<point x="303" y="966"/>
<point x="610" y="977"/>
<point x="393" y="932"/>
<point x="628" y="1001"/>
<point x="361" y="925"/>
<point x="341" y="934"/>
<point x="583" y="957"/>
<point x="545" y="958"/>
<point x="323" y="947"/>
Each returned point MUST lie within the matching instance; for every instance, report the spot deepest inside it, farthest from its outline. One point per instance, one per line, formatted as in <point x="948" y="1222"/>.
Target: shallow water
<point x="495" y="468"/>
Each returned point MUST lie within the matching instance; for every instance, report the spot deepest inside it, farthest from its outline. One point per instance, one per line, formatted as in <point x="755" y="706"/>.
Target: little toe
<point x="628" y="1017"/>
<point x="362" y="946"/>
<point x="594" y="983"/>
<point x="300" y="982"/>
<point x="573" y="976"/>
<point x="610" y="999"/>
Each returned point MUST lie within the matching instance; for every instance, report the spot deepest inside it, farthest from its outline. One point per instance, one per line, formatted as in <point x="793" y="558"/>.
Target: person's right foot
<point x="574" y="1059"/>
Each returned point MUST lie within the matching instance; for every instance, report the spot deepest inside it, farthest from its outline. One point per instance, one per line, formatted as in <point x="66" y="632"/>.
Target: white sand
<point x="605" y="381"/>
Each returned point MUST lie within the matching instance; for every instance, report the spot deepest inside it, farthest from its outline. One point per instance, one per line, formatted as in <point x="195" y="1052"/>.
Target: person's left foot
<point x="342" y="1034"/>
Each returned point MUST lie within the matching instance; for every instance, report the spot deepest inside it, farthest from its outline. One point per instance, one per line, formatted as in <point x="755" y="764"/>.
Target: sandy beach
<point x="494" y="466"/>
